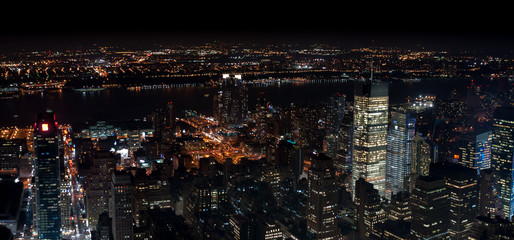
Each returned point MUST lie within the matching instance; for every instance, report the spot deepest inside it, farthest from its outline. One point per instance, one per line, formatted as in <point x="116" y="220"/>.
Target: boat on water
<point x="91" y="89"/>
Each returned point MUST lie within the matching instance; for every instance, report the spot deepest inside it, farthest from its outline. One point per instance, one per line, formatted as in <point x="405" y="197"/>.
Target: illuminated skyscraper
<point x="370" y="122"/>
<point x="122" y="206"/>
<point x="502" y="149"/>
<point x="47" y="176"/>
<point x="421" y="156"/>
<point x="430" y="208"/>
<point x="322" y="199"/>
<point x="231" y="103"/>
<point x="399" y="151"/>
<point x="98" y="186"/>
<point x="462" y="184"/>
<point x="475" y="151"/>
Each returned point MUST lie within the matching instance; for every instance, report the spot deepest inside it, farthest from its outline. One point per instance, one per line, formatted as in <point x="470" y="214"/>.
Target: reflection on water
<point x="111" y="104"/>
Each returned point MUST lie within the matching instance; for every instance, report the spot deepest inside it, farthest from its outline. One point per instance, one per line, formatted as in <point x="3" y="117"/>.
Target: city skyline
<point x="491" y="41"/>
<point x="294" y="130"/>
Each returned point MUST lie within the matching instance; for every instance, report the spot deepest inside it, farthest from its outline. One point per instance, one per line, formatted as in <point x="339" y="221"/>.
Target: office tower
<point x="11" y="151"/>
<point x="322" y="198"/>
<point x="462" y="184"/>
<point x="393" y="230"/>
<point x="368" y="209"/>
<point x="241" y="228"/>
<point x="231" y="102"/>
<point x="344" y="164"/>
<point x="150" y="191"/>
<point x="204" y="202"/>
<point x="491" y="228"/>
<point x="304" y="123"/>
<point x="271" y="175"/>
<point x="399" y="208"/>
<point x="370" y="121"/>
<point x="488" y="201"/>
<point x="502" y="149"/>
<point x="421" y="153"/>
<point x="261" y="116"/>
<point x="399" y="151"/>
<point x="421" y="159"/>
<point x="475" y="150"/>
<point x="253" y="227"/>
<point x="47" y="176"/>
<point x="287" y="156"/>
<point x="334" y="113"/>
<point x="67" y="226"/>
<point x="98" y="186"/>
<point x="170" y="123"/>
<point x="430" y="208"/>
<point x="122" y="206"/>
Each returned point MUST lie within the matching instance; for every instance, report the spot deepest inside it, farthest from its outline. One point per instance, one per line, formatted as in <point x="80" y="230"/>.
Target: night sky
<point x="143" y="24"/>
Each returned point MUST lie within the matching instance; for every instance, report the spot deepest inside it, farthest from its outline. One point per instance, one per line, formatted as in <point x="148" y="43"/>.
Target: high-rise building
<point x="150" y="191"/>
<point x="399" y="151"/>
<point x="399" y="209"/>
<point x="231" y="102"/>
<point x="335" y="113"/>
<point x="170" y="122"/>
<point x="368" y="209"/>
<point x="322" y="198"/>
<point x="475" y="150"/>
<point x="430" y="208"/>
<point x="66" y="206"/>
<point x="370" y="122"/>
<point x="344" y="164"/>
<point x="462" y="184"/>
<point x="122" y="206"/>
<point x="488" y="201"/>
<point x="98" y="186"/>
<point x="421" y="156"/>
<point x="502" y="149"/>
<point x="47" y="176"/>
<point x="491" y="228"/>
<point x="253" y="227"/>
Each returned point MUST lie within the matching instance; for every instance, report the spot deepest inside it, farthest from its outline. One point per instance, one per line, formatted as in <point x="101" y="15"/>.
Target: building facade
<point x="47" y="177"/>
<point x="502" y="149"/>
<point x="322" y="199"/>
<point x="370" y="132"/>
<point x="399" y="151"/>
<point x="430" y="208"/>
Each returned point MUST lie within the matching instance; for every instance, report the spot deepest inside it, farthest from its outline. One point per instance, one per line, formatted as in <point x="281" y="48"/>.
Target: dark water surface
<point x="121" y="104"/>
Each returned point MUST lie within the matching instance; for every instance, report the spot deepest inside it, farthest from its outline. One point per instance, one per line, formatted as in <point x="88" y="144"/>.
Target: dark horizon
<point x="433" y="26"/>
<point x="487" y="42"/>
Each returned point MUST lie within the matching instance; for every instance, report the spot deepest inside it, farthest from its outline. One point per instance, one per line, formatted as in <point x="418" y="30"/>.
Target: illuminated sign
<point x="44" y="127"/>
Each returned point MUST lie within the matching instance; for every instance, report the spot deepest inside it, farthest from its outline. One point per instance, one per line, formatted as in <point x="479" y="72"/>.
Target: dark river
<point x="121" y="104"/>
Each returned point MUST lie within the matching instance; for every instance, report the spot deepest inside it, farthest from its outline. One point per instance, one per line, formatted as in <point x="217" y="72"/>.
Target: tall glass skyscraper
<point x="502" y="150"/>
<point x="47" y="176"/>
<point x="399" y="151"/>
<point x="370" y="121"/>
